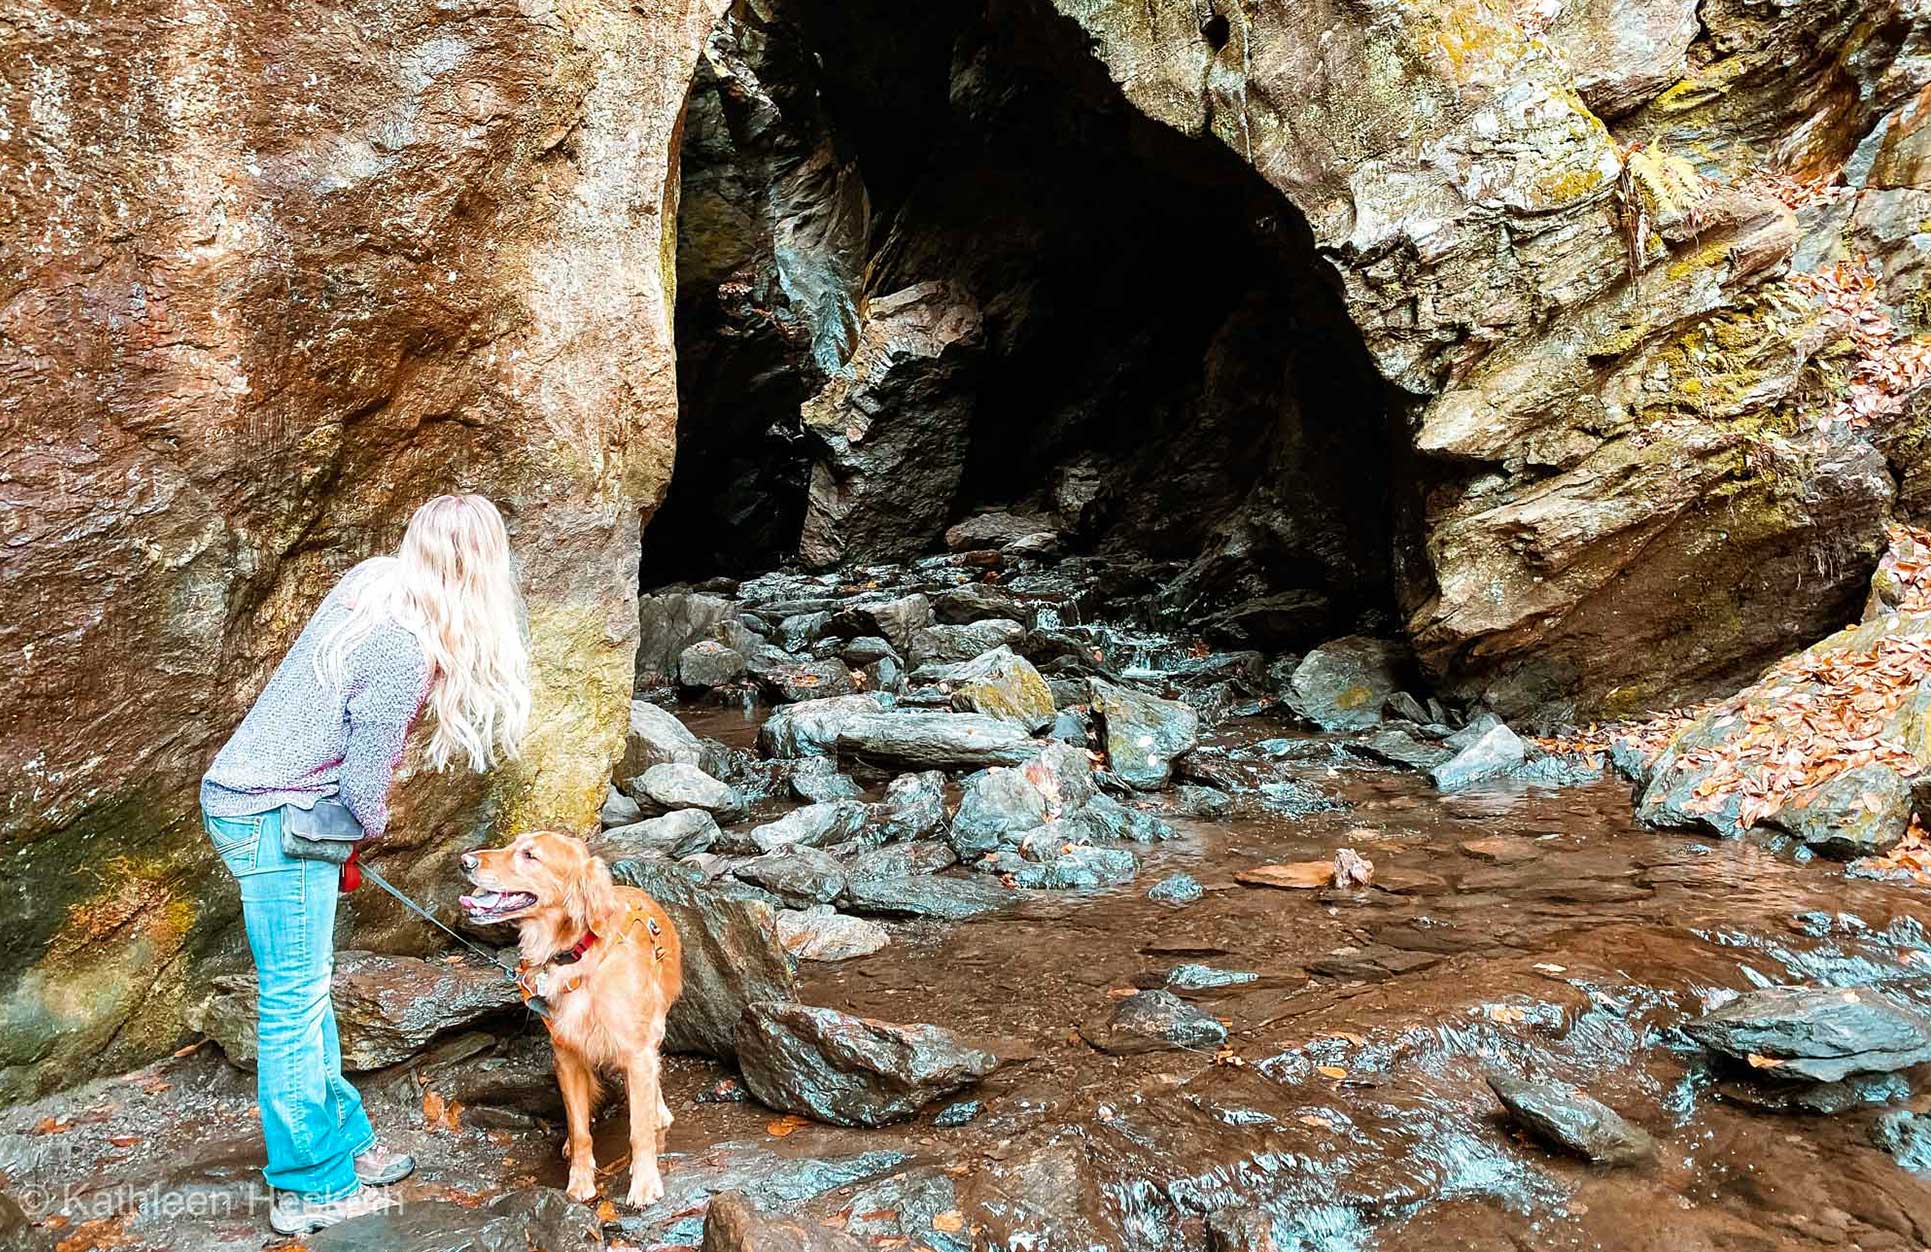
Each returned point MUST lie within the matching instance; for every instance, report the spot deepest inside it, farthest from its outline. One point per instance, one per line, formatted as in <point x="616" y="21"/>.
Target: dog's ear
<point x="592" y="897"/>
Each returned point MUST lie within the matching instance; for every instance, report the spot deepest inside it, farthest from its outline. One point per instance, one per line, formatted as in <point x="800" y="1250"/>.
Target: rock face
<point x="259" y="313"/>
<point x="850" y="1071"/>
<point x="387" y="1007"/>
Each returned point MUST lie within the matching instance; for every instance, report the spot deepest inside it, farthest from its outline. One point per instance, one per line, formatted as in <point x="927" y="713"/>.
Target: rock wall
<point x="1631" y="499"/>
<point x="273" y="275"/>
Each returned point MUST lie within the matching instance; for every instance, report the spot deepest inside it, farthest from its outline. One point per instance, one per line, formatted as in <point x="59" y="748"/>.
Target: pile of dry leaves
<point x="1884" y="369"/>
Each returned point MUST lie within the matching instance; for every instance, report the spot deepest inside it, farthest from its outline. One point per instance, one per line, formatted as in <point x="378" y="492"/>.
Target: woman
<point x="438" y="623"/>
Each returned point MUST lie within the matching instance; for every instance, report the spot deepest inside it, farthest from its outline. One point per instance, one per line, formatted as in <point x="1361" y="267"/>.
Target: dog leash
<point x="536" y="1003"/>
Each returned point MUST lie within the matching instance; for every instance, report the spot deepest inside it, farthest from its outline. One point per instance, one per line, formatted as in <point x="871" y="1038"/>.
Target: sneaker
<point x="379" y="1166"/>
<point x="293" y="1213"/>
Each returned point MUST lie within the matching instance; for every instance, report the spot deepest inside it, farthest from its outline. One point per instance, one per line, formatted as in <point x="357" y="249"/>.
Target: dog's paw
<point x="583" y="1184"/>
<point x="645" y="1189"/>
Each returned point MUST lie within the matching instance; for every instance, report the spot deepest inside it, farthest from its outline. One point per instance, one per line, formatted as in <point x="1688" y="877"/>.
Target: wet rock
<point x="923" y="740"/>
<point x="774" y="1176"/>
<point x="997" y="528"/>
<point x="850" y="1071"/>
<point x="797" y="874"/>
<point x="707" y="664"/>
<point x="1566" y="1118"/>
<point x="810" y="727"/>
<point x="1402" y="706"/>
<point x="1495" y="755"/>
<point x="1298" y="798"/>
<point x="733" y="1224"/>
<point x="805" y="680"/>
<point x="1204" y="803"/>
<point x="1764" y="1092"/>
<point x="958" y="1114"/>
<point x="541" y="1217"/>
<point x="913" y="807"/>
<point x="1144" y="734"/>
<point x="1176" y="889"/>
<point x="1207" y="977"/>
<point x="515" y="1074"/>
<point x="1114" y="820"/>
<point x="926" y="895"/>
<point x="798" y="631"/>
<point x="618" y="809"/>
<point x="1373" y="963"/>
<point x="1244" y="1231"/>
<point x="1820" y="1034"/>
<point x="1064" y="776"/>
<point x="816" y="780"/>
<point x="655" y="737"/>
<point x="1625" y="52"/>
<point x="1907" y="1137"/>
<point x="668" y="623"/>
<point x="387" y="1007"/>
<point x="1861" y="812"/>
<point x="1000" y="684"/>
<point x="895" y="620"/>
<point x="17" y="1231"/>
<point x="1404" y="748"/>
<point x="977" y="602"/>
<point x="1057" y="866"/>
<point x="1342" y="685"/>
<point x="1151" y="1021"/>
<point x="1477" y="726"/>
<point x="1069" y="726"/>
<point x="814" y="825"/>
<point x="685" y="832"/>
<point x="732" y="955"/>
<point x="821" y="933"/>
<point x="885" y="674"/>
<point x="997" y="803"/>
<point x="952" y="645"/>
<point x="866" y="649"/>
<point x="668" y="788"/>
<point x="903" y="860"/>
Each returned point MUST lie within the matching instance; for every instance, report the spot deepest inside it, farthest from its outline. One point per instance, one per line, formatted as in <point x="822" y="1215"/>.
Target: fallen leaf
<point x="1763" y="1062"/>
<point x="1308" y="1119"/>
<point x="950" y="1221"/>
<point x="1332" y="1071"/>
<point x="788" y="1124"/>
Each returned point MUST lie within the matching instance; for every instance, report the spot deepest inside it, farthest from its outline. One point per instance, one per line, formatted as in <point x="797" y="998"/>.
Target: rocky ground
<point x="1005" y="929"/>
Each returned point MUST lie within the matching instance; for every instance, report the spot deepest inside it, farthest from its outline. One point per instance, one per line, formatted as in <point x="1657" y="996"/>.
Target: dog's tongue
<point x="482" y="900"/>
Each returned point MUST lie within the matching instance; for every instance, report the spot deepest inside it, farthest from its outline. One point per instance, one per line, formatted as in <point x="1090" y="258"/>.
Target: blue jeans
<point x="311" y="1117"/>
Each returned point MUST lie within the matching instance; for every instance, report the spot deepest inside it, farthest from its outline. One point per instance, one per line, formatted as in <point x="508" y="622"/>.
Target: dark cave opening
<point x="946" y="269"/>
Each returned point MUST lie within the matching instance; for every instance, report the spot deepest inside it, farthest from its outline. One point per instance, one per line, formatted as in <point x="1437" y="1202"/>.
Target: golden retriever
<point x="607" y="962"/>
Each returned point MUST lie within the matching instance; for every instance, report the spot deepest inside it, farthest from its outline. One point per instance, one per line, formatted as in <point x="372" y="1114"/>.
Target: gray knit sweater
<point x="303" y="740"/>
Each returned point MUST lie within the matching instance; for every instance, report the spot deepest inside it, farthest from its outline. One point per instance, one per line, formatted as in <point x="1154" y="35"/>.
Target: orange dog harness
<point x="537" y="984"/>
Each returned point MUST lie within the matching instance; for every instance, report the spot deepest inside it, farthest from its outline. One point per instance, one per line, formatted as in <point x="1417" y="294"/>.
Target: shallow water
<point x="1349" y="1108"/>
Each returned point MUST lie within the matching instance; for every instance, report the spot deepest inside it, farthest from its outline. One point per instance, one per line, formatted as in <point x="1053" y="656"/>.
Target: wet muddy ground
<point x="1532" y="929"/>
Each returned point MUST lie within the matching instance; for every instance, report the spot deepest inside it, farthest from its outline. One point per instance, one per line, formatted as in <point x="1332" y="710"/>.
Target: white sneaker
<point x="292" y="1213"/>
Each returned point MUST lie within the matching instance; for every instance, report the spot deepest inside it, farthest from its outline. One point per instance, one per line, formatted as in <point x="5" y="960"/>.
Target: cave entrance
<point x="931" y="264"/>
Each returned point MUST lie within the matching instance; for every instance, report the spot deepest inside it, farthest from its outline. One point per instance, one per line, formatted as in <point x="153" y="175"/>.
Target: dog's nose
<point x="470" y="861"/>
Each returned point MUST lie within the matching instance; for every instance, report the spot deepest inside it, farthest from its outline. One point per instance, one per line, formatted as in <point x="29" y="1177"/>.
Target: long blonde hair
<point x="449" y="585"/>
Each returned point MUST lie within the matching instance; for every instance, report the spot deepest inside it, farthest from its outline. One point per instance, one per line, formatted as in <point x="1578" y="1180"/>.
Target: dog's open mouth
<point x="494" y="906"/>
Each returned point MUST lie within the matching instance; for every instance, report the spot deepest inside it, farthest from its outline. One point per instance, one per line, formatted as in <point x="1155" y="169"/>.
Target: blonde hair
<point x="450" y="585"/>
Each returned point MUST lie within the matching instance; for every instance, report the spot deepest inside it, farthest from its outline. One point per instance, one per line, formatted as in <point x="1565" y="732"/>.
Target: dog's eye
<point x="527" y="855"/>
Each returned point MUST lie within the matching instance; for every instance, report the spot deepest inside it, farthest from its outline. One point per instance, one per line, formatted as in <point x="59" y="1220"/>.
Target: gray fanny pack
<point x="327" y="832"/>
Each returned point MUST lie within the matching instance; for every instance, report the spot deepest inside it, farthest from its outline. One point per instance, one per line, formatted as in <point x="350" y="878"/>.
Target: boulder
<point x="798" y="631"/>
<point x="668" y="788"/>
<point x="997" y="528"/>
<point x="1861" y="812"/>
<point x="1052" y="864"/>
<point x="894" y="620"/>
<point x="913" y="807"/>
<point x="732" y="955"/>
<point x="1000" y="684"/>
<point x="867" y="649"/>
<point x="1907" y="1137"/>
<point x="685" y="832"/>
<point x="1064" y="776"/>
<point x="978" y="602"/>
<point x="927" y="740"/>
<point x="387" y="1008"/>
<point x="810" y="727"/>
<point x="1144" y="734"/>
<point x="1153" y="1021"/>
<point x="1203" y="803"/>
<point x="816" y="779"/>
<point x="799" y="875"/>
<point x="538" y="1217"/>
<point x="850" y="1071"/>
<point x="997" y="804"/>
<point x="902" y="860"/>
<point x="925" y="895"/>
<point x="805" y="680"/>
<point x="618" y="809"/>
<point x="670" y="621"/>
<point x="1820" y="1034"/>
<point x="1110" y="819"/>
<point x="655" y="737"/>
<point x="733" y="1224"/>
<point x="1565" y="1118"/>
<point x="1343" y="685"/>
<point x="1496" y="754"/>
<point x="951" y="645"/>
<point x="814" y="825"/>
<point x="707" y="664"/>
<point x="1396" y="746"/>
<point x="820" y="933"/>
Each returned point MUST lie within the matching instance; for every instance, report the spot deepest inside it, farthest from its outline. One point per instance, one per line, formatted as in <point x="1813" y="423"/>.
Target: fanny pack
<point x="327" y="832"/>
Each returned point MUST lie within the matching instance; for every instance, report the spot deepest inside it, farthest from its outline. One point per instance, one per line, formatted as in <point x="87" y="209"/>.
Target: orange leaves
<point x="789" y="1124"/>
<point x="440" y="1114"/>
<point x="1884" y="368"/>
